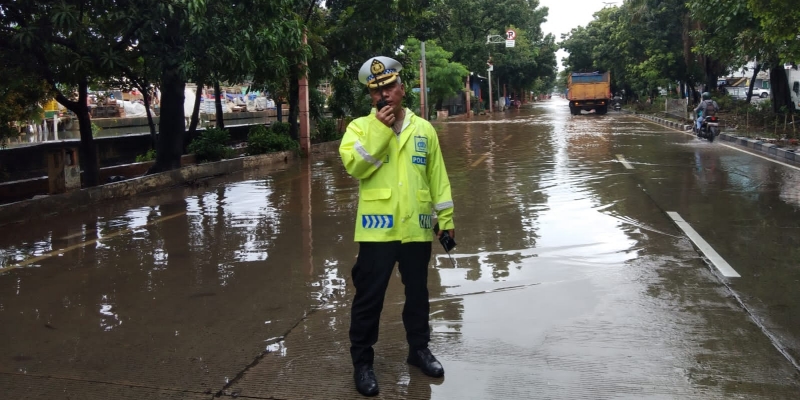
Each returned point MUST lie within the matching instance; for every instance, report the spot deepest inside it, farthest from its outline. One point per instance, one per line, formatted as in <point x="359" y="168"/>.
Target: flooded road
<point x="570" y="280"/>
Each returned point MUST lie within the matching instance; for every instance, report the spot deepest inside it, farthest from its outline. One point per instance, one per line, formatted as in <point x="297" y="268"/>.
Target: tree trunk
<point x="150" y="123"/>
<point x="752" y="82"/>
<point x="88" y="151"/>
<point x="781" y="97"/>
<point x="294" y="104"/>
<point x="712" y="83"/>
<point x="279" y="110"/>
<point x="218" y="105"/>
<point x="196" y="110"/>
<point x="172" y="124"/>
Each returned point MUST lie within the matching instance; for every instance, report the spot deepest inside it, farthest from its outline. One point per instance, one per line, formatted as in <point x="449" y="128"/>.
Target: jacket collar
<point x="410" y="127"/>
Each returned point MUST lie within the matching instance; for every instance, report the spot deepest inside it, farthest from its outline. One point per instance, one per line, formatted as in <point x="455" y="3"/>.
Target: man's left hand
<point x="452" y="233"/>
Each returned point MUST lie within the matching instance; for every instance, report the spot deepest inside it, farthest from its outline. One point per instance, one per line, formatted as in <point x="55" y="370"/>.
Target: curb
<point x="769" y="149"/>
<point x="43" y="207"/>
<point x="756" y="146"/>
<point x="665" y="122"/>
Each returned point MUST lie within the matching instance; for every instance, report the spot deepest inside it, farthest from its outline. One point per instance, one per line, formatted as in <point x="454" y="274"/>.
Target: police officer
<point x="395" y="155"/>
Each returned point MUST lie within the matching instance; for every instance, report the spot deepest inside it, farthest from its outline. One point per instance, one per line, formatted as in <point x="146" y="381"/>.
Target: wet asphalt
<point x="570" y="280"/>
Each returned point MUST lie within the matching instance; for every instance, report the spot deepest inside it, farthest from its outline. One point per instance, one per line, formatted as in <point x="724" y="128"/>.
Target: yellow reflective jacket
<point x="401" y="179"/>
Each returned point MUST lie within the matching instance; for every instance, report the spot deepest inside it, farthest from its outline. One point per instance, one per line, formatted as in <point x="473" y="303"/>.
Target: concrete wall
<point x="29" y="161"/>
<point x="27" y="210"/>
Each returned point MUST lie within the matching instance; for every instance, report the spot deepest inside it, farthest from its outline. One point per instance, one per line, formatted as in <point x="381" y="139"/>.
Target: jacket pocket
<point x="376" y="202"/>
<point x="424" y="196"/>
<point x="377" y="194"/>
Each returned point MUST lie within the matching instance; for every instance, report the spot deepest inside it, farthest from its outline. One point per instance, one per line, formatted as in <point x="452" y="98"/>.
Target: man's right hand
<point x="386" y="115"/>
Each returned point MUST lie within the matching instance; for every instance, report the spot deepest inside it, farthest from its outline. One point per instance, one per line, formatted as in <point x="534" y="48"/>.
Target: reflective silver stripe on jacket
<point x="363" y="152"/>
<point x="444" y="206"/>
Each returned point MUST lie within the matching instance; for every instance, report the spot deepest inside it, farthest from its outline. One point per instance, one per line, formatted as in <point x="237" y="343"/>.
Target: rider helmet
<point x="706" y="96"/>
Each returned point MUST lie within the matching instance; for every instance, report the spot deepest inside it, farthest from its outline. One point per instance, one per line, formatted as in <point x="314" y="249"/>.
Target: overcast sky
<point x="564" y="15"/>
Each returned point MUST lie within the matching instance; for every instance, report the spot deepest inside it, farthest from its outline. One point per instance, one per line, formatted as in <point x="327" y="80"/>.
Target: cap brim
<point x="382" y="81"/>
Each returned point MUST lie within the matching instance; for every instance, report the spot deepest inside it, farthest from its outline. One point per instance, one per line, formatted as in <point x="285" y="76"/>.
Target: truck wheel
<point x="601" y="110"/>
<point x="574" y="111"/>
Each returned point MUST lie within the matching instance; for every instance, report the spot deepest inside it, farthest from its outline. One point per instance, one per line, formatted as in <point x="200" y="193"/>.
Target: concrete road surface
<point x="575" y="277"/>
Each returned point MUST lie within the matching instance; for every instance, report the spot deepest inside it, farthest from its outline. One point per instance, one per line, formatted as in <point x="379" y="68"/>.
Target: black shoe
<point x="366" y="383"/>
<point x="424" y="360"/>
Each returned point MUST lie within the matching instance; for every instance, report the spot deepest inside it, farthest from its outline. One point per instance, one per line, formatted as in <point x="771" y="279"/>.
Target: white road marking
<point x="624" y="162"/>
<point x="724" y="268"/>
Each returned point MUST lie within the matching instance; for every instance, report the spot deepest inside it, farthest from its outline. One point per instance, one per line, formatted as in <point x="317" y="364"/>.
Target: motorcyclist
<point x="617" y="99"/>
<point x="706" y="107"/>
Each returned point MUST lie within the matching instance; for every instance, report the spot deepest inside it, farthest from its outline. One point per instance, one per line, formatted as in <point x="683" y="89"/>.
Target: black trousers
<point x="371" y="274"/>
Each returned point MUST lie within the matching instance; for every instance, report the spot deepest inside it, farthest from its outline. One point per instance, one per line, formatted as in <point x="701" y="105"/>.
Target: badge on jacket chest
<point x="421" y="144"/>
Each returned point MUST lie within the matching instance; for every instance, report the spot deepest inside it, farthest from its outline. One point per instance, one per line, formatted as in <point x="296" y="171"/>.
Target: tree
<point x="257" y="51"/>
<point x="469" y="22"/>
<point x="731" y="21"/>
<point x="70" y="42"/>
<point x="21" y="92"/>
<point x="779" y="20"/>
<point x="445" y="78"/>
<point x="355" y="35"/>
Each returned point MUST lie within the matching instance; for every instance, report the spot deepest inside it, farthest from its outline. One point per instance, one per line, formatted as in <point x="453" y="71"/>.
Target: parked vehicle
<point x="589" y="91"/>
<point x="793" y="78"/>
<point x="760" y="92"/>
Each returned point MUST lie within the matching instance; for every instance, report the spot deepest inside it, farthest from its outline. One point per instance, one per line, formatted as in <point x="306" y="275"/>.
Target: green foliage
<point x="641" y="43"/>
<point x="779" y="21"/>
<point x="350" y="98"/>
<point x="149" y="156"/>
<point x="445" y="78"/>
<point x="261" y="140"/>
<point x="316" y="104"/>
<point x="281" y="128"/>
<point x="326" y="131"/>
<point x="211" y="145"/>
<point x="95" y="129"/>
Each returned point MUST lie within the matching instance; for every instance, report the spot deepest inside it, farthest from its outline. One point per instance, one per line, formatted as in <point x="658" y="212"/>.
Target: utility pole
<point x="423" y="85"/>
<point x="305" y="123"/>
<point x="498" y="94"/>
<point x="469" y="95"/>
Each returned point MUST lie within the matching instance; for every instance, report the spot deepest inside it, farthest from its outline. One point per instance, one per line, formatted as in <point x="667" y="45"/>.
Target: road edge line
<point x="723" y="144"/>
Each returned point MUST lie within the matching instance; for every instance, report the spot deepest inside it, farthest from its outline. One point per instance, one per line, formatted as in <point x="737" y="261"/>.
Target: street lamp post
<point x="494" y="39"/>
<point x="490" y="86"/>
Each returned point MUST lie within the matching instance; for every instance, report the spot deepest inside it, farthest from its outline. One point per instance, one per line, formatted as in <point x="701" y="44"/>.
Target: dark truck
<point x="589" y="91"/>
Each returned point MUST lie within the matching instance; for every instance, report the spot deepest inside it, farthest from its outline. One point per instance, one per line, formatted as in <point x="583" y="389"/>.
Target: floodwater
<point x="569" y="280"/>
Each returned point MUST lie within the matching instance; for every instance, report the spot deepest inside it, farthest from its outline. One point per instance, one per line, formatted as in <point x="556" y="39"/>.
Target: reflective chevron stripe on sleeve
<point x="366" y="156"/>
<point x="444" y="205"/>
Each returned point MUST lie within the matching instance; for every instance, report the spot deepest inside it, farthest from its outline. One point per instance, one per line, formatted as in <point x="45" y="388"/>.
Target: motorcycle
<point x="617" y="103"/>
<point x="709" y="128"/>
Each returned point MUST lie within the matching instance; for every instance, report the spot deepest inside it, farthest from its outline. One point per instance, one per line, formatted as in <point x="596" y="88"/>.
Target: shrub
<point x="262" y="140"/>
<point x="149" y="156"/>
<point x="281" y="128"/>
<point x="211" y="145"/>
<point x="326" y="131"/>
